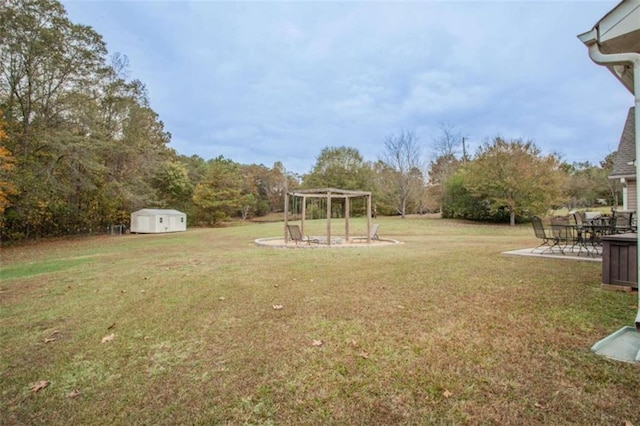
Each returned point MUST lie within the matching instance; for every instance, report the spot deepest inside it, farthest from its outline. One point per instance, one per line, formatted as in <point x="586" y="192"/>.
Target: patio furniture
<point x="588" y="233"/>
<point x="373" y="233"/>
<point x="296" y="235"/>
<point x="589" y="216"/>
<point x="622" y="223"/>
<point x="582" y="234"/>
<point x="564" y="232"/>
<point x="548" y="238"/>
<point x="578" y="218"/>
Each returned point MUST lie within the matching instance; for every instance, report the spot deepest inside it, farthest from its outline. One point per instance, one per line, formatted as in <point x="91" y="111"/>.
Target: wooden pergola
<point x="328" y="194"/>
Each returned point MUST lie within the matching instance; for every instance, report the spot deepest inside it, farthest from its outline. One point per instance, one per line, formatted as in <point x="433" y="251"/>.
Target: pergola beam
<point x="328" y="194"/>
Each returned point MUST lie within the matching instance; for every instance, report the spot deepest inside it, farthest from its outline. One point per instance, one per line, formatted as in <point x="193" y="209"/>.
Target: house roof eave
<point x="618" y="32"/>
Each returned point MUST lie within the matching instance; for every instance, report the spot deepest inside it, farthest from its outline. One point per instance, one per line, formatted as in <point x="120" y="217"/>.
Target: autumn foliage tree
<point x="84" y="141"/>
<point x="6" y="166"/>
<point x="588" y="183"/>
<point x="339" y="167"/>
<point x="513" y="176"/>
<point x="219" y="194"/>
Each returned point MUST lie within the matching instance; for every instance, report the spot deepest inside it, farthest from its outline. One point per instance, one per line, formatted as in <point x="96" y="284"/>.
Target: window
<point x="160" y="219"/>
<point x="182" y="220"/>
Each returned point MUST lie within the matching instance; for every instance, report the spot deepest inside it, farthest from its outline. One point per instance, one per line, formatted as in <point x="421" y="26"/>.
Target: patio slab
<point x="555" y="254"/>
<point x="279" y="242"/>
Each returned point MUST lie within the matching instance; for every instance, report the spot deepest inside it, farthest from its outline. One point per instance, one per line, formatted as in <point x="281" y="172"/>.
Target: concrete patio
<point x="569" y="253"/>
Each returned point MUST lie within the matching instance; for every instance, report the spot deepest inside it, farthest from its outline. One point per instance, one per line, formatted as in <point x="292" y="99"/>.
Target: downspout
<point x="629" y="58"/>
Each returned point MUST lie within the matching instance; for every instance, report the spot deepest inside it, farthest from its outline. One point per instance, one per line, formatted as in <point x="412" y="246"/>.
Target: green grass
<point x="442" y="329"/>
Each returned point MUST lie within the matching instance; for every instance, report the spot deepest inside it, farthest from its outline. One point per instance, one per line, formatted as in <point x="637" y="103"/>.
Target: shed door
<point x="163" y="223"/>
<point x="174" y="223"/>
<point x="142" y="224"/>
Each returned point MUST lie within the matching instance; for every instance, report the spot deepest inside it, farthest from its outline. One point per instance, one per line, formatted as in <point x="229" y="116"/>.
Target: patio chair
<point x="296" y="235"/>
<point x="578" y="218"/>
<point x="566" y="233"/>
<point x="586" y="233"/>
<point x="548" y="238"/>
<point x="621" y="223"/>
<point x="581" y="227"/>
<point x="373" y="234"/>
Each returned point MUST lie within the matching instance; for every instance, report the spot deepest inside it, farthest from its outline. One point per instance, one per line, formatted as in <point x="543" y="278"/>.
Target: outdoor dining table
<point x="592" y="231"/>
<point x="588" y="235"/>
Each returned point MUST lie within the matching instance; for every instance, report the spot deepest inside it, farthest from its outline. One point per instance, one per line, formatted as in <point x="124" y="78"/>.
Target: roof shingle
<point x="623" y="164"/>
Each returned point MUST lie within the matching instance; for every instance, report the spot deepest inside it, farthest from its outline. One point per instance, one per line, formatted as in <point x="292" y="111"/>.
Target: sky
<point x="266" y="81"/>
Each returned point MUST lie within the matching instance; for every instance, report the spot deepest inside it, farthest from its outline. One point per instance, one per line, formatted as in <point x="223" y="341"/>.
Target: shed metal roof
<point x="160" y="211"/>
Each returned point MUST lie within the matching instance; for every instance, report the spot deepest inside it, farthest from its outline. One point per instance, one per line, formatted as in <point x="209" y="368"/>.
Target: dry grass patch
<point x="441" y="329"/>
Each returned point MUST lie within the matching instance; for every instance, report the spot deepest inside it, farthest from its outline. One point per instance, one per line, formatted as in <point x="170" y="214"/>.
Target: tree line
<point x="81" y="148"/>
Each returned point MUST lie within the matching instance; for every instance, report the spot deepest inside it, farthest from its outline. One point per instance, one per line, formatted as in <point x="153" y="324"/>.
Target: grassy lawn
<point x="442" y="329"/>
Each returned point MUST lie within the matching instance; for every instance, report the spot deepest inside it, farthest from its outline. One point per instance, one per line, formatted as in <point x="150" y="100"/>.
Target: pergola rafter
<point x="328" y="194"/>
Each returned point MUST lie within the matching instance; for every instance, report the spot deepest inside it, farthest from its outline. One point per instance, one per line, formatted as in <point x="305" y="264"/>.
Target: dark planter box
<point x="620" y="261"/>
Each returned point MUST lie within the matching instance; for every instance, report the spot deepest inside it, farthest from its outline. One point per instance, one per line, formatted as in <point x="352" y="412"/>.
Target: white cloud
<point x="261" y="82"/>
<point x="438" y="93"/>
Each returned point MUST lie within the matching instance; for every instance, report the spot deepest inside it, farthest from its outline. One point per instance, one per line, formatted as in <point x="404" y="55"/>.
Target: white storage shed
<point x="156" y="221"/>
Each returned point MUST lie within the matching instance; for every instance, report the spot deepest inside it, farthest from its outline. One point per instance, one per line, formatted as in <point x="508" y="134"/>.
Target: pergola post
<point x="304" y="214"/>
<point x="328" y="194"/>
<point x="286" y="217"/>
<point x="369" y="219"/>
<point x="347" y="201"/>
<point x="329" y="218"/>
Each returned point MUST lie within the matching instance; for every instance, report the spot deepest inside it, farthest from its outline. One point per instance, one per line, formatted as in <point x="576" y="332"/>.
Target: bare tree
<point x="448" y="143"/>
<point x="445" y="161"/>
<point x="405" y="164"/>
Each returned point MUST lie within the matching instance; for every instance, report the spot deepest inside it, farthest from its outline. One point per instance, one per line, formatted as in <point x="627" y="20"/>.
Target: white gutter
<point x="628" y="58"/>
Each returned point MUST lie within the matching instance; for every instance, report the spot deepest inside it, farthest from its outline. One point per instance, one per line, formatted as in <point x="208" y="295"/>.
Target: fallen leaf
<point x="277" y="307"/>
<point x="39" y="386"/>
<point x="628" y="423"/>
<point x="364" y="355"/>
<point x="73" y="394"/>
<point x="49" y="339"/>
<point x="221" y="298"/>
<point x="123" y="291"/>
<point x="111" y="326"/>
<point x="316" y="342"/>
<point x="400" y="306"/>
<point x="538" y="405"/>
<point x="109" y="338"/>
<point x="446" y="394"/>
<point x="353" y="343"/>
